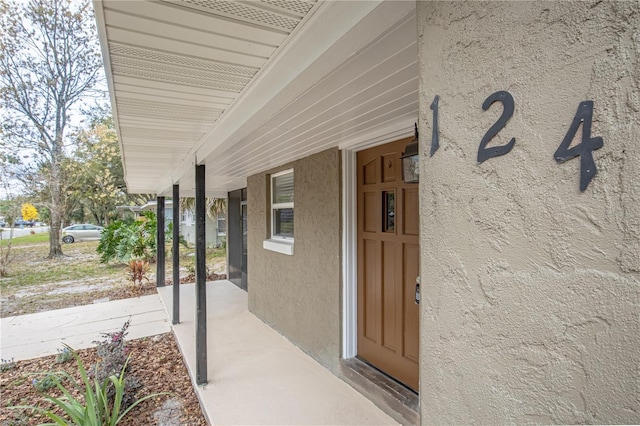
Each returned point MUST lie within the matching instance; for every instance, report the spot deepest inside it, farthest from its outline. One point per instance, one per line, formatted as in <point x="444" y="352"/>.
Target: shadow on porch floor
<point x="256" y="376"/>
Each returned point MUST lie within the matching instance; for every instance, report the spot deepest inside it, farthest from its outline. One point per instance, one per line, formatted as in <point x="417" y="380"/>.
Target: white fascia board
<point x="98" y="10"/>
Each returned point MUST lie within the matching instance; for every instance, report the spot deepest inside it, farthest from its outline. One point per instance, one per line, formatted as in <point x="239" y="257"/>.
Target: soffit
<point x="175" y="66"/>
<point x="245" y="86"/>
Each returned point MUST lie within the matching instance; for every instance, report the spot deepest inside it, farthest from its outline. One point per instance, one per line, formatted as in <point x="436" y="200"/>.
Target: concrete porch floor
<point x="255" y="375"/>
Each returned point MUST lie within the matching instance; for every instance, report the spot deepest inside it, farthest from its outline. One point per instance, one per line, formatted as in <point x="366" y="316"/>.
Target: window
<point x="282" y="205"/>
<point x="222" y="225"/>
<point x="187" y="217"/>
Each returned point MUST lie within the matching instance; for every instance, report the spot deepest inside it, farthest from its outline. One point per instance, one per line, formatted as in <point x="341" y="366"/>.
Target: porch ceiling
<point x="243" y="86"/>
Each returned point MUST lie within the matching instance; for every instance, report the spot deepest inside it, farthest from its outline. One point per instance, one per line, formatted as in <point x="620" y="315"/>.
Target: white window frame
<point x="278" y="206"/>
<point x="187" y="217"/>
<point x="278" y="243"/>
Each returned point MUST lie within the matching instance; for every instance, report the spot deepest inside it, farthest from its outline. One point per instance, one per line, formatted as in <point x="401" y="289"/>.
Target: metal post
<point x="201" y="280"/>
<point x="160" y="243"/>
<point x="176" y="254"/>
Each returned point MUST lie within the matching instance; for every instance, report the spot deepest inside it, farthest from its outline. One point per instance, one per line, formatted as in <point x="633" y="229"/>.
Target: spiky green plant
<point x="94" y="407"/>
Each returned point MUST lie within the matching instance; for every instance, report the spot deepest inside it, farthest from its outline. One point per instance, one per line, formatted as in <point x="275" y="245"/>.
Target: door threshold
<point x="395" y="399"/>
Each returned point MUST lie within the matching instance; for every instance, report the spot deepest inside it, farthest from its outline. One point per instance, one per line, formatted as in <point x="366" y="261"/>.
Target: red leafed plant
<point x="138" y="271"/>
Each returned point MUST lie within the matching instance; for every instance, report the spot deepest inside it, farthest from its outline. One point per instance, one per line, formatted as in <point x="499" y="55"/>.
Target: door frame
<point x="350" y="235"/>
<point x="349" y="255"/>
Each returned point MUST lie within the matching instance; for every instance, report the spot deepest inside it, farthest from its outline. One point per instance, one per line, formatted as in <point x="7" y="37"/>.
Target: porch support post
<point x="201" y="280"/>
<point x="176" y="254"/>
<point x="160" y="254"/>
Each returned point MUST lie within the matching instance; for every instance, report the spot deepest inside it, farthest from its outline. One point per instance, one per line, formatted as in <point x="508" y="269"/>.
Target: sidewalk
<point x="256" y="376"/>
<point x="41" y="334"/>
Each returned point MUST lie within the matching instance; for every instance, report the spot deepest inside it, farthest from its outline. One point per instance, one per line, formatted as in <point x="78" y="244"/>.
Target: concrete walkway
<point x="256" y="376"/>
<point x="41" y="334"/>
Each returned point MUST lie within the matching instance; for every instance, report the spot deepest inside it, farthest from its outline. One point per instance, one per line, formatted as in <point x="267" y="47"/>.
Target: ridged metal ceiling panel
<point x="177" y="68"/>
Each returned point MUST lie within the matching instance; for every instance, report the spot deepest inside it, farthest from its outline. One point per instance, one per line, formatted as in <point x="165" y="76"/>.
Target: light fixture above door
<point x="410" y="160"/>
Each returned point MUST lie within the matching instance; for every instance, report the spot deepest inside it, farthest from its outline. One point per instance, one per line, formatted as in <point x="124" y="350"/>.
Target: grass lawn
<point x="36" y="283"/>
<point x="42" y="237"/>
<point x="30" y="264"/>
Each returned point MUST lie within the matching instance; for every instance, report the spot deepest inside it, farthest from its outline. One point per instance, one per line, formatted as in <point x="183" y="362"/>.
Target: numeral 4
<point x="586" y="146"/>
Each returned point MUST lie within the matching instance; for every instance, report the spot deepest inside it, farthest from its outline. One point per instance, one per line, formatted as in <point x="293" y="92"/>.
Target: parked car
<point x="23" y="223"/>
<point x="81" y="232"/>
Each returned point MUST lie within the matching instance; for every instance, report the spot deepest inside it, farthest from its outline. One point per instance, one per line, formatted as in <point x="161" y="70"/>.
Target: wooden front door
<point x="388" y="264"/>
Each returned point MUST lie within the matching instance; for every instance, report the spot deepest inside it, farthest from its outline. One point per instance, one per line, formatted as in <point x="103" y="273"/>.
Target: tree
<point x="9" y="211"/>
<point x="98" y="173"/>
<point x="29" y="212"/>
<point x="213" y="206"/>
<point x="49" y="64"/>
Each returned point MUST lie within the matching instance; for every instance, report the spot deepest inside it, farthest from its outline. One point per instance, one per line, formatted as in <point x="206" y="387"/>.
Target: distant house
<point x="216" y="228"/>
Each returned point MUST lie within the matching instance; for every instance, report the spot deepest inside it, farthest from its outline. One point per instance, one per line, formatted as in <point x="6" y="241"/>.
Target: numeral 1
<point x="435" y="138"/>
<point x="585" y="148"/>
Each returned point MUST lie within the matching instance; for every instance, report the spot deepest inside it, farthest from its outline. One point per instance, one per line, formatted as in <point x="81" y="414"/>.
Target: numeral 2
<point x="508" y="104"/>
<point x="435" y="138"/>
<point x="585" y="148"/>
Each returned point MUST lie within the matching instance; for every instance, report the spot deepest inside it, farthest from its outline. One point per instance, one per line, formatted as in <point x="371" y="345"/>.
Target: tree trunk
<point x="55" y="248"/>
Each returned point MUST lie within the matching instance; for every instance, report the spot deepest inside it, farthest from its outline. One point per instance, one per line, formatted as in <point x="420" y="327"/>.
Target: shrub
<point x="63" y="355"/>
<point x="122" y="241"/>
<point x="7" y="364"/>
<point x="48" y="381"/>
<point x="113" y="352"/>
<point x="138" y="271"/>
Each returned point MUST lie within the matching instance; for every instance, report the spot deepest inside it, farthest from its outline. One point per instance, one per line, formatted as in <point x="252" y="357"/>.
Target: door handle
<point x="417" y="296"/>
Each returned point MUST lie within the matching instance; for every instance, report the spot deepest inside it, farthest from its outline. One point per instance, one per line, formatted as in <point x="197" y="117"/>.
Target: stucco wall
<point x="299" y="295"/>
<point x="530" y="307"/>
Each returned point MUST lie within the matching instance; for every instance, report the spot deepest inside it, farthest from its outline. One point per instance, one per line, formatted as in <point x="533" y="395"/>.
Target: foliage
<point x="121" y="241"/>
<point x="213" y="206"/>
<point x="94" y="407"/>
<point x="7" y="364"/>
<point x="97" y="173"/>
<point x="113" y="352"/>
<point x="5" y="252"/>
<point x="63" y="355"/>
<point x="48" y="381"/>
<point x="138" y="271"/>
<point x="29" y="212"/>
<point x="49" y="65"/>
<point x="9" y="210"/>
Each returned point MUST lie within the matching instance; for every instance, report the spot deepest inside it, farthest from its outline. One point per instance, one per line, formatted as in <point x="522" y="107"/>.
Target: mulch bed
<point x="155" y="361"/>
<point x="190" y="279"/>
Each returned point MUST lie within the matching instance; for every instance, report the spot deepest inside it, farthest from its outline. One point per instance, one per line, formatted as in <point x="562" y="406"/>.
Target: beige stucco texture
<point x="299" y="295"/>
<point x="530" y="289"/>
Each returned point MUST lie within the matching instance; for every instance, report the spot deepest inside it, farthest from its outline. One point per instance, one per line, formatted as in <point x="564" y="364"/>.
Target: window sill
<point x="279" y="246"/>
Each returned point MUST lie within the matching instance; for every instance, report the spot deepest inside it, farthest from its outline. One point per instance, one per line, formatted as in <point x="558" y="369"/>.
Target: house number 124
<point x="584" y="149"/>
